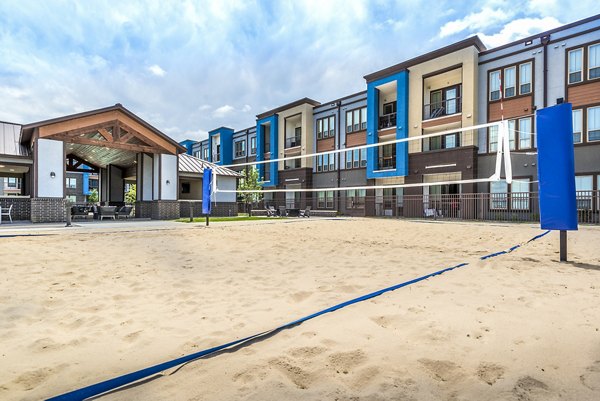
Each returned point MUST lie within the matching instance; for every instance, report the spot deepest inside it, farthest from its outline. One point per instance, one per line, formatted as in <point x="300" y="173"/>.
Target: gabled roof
<point x="472" y="41"/>
<point x="27" y="129"/>
<point x="9" y="141"/>
<point x="288" y="106"/>
<point x="193" y="165"/>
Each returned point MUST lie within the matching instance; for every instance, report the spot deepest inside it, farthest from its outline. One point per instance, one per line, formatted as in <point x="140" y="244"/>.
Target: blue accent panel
<point x="206" y="191"/>
<point x="401" y="169"/>
<point x="188" y="144"/>
<point x="556" y="168"/>
<point x="226" y="151"/>
<point x="273" y="122"/>
<point x="86" y="183"/>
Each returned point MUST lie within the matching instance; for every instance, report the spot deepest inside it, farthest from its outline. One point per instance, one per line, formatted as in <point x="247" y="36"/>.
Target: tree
<point x="130" y="195"/>
<point x="93" y="196"/>
<point x="250" y="181"/>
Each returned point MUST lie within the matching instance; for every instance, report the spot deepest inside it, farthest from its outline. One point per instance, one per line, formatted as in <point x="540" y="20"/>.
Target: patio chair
<point x="107" y="211"/>
<point x="305" y="212"/>
<point x="282" y="211"/>
<point x="432" y="213"/>
<point x="271" y="212"/>
<point x="79" y="211"/>
<point x="123" y="211"/>
<point x="9" y="213"/>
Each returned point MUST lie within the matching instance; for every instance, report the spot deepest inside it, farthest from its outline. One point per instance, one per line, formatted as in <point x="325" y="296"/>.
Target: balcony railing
<point x="293" y="141"/>
<point x="444" y="108"/>
<point x="387" y="121"/>
<point x="387" y="163"/>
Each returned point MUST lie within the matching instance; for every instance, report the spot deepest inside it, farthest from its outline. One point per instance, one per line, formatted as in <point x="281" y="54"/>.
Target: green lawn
<point x="218" y="219"/>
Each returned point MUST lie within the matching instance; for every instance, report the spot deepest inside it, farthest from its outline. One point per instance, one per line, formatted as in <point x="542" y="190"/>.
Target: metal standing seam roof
<point x="191" y="164"/>
<point x="10" y="144"/>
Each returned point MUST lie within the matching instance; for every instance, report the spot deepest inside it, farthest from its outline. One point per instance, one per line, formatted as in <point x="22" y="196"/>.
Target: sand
<point x="83" y="306"/>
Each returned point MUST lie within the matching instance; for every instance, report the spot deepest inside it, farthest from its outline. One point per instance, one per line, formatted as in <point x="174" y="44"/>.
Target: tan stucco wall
<point x="467" y="76"/>
<point x="307" y="132"/>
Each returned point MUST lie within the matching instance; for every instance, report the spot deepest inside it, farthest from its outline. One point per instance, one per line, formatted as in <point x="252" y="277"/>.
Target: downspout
<point x="545" y="40"/>
<point x="339" y="155"/>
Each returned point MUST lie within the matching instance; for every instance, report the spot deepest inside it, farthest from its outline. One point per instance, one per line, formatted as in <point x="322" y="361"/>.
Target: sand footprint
<point x="301" y="378"/>
<point x="591" y="378"/>
<point x="344" y="362"/>
<point x="490" y="372"/>
<point x="444" y="371"/>
<point x="527" y="388"/>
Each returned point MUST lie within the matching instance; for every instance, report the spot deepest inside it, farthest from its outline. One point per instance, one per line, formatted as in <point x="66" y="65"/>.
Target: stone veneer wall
<point x="47" y="210"/>
<point x="21" y="207"/>
<point x="165" y="210"/>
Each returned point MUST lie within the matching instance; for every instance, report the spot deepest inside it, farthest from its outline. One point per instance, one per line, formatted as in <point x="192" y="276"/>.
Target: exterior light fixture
<point x="52" y="174"/>
<point x="168" y="182"/>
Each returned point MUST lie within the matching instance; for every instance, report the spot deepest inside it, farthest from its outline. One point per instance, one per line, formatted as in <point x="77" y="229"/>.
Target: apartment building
<point x="560" y="65"/>
<point x="454" y="87"/>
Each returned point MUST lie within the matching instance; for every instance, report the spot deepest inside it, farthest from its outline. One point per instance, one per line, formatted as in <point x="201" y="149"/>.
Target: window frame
<point x="517" y="86"/>
<point x="331" y="128"/>
<point x="68" y="183"/>
<point x="588" y="61"/>
<point x="581" y="131"/>
<point x="530" y="82"/>
<point x="253" y="145"/>
<point x="580" y="71"/>
<point x="587" y="124"/>
<point x="353" y="126"/>
<point x="239" y="153"/>
<point x="505" y="87"/>
<point x="508" y="199"/>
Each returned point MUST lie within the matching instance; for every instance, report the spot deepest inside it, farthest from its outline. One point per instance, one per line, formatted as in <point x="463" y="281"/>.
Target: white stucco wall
<point x="50" y="158"/>
<point x="229" y="183"/>
<point x="168" y="173"/>
<point x="147" y="178"/>
<point x="155" y="173"/>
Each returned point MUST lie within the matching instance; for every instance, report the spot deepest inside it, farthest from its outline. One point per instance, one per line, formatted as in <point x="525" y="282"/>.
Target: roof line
<point x="288" y="106"/>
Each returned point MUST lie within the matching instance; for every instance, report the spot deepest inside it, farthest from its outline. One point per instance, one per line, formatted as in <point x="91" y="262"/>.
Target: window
<point x="12" y="182"/>
<point x="325" y="199"/>
<point x="389" y="108"/>
<point x="331" y="162"/>
<point x="71" y="183"/>
<point x="509" y="82"/>
<point x="253" y="145"/>
<point x="185" y="187"/>
<point x="593" y="124"/>
<point x="355" y="198"/>
<point x="356" y="120"/>
<point x="363" y="157"/>
<point x="197" y="154"/>
<point x="205" y="153"/>
<point x="498" y="195"/>
<point x="448" y="141"/>
<point x="319" y="163"/>
<point x="525" y="78"/>
<point x="575" y="65"/>
<point x="356" y="163"/>
<point x="524" y="133"/>
<point x="93" y="183"/>
<point x="511" y="134"/>
<point x="594" y="61"/>
<point x="326" y="127"/>
<point x="325" y="162"/>
<point x="577" y="126"/>
<point x="72" y="198"/>
<point x="240" y="148"/>
<point x="493" y="135"/>
<point x="495" y="85"/>
<point x="519" y="194"/>
<point x="293" y="163"/>
<point x="584" y="186"/>
<point x="349" y="159"/>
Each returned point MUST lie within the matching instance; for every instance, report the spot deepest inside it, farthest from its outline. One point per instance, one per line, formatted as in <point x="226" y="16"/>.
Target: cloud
<point x="156" y="70"/>
<point x="517" y="29"/>
<point x="475" y="21"/>
<point x="223" y="111"/>
<point x="246" y="108"/>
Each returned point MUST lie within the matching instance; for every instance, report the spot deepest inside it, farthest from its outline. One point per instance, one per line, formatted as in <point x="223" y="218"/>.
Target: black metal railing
<point x="386" y="163"/>
<point x="442" y="108"/>
<point x="387" y="121"/>
<point x="293" y="141"/>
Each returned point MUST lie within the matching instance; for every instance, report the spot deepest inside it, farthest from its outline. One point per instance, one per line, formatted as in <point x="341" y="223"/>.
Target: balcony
<point x="387" y="163"/>
<point x="387" y="121"/>
<point x="293" y="141"/>
<point x="216" y="158"/>
<point x="442" y="108"/>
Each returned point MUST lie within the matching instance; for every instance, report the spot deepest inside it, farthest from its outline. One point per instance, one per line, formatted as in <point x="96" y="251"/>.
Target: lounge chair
<point x="432" y="213"/>
<point x="79" y="211"/>
<point x="271" y="212"/>
<point x="123" y="211"/>
<point x="3" y="213"/>
<point x="282" y="211"/>
<point x="305" y="212"/>
<point x="107" y="211"/>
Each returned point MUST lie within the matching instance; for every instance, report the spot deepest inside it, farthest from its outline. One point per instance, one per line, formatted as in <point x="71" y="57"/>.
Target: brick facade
<point x="47" y="210"/>
<point x="21" y="207"/>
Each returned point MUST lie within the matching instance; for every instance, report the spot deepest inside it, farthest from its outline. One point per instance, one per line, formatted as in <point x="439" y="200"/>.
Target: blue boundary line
<point x="120" y="381"/>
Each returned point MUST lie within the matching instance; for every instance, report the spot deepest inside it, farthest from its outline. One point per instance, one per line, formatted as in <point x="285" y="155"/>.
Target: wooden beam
<point x="85" y="130"/>
<point x="114" y="145"/>
<point x="106" y="134"/>
<point x="125" y="138"/>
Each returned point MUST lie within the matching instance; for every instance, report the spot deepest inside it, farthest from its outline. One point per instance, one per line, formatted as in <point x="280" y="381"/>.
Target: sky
<point x="188" y="67"/>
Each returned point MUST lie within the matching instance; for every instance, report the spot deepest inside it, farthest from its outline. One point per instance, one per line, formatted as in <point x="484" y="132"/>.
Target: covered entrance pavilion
<point x="112" y="142"/>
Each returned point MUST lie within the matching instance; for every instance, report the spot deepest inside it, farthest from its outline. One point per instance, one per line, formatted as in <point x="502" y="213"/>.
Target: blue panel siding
<point x="86" y="183"/>
<point x="401" y="169"/>
<point x="260" y="148"/>
<point x="188" y="144"/>
<point x="226" y="138"/>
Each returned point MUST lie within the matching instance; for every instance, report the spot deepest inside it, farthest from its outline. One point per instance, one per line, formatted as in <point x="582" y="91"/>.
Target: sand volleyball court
<point x="82" y="306"/>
